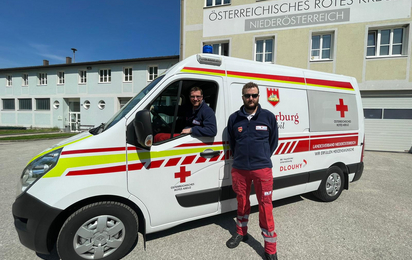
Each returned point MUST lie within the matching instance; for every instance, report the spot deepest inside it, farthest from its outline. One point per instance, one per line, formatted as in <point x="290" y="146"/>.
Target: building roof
<point x="89" y="63"/>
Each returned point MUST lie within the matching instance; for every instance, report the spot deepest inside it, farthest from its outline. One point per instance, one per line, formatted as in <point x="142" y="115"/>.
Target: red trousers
<point x="263" y="182"/>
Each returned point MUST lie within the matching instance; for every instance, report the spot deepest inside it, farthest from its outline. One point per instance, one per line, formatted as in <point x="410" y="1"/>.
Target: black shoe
<point x="234" y="241"/>
<point x="271" y="257"/>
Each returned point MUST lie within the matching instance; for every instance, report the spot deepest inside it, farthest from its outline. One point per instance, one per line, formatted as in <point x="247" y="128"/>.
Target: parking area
<point x="371" y="220"/>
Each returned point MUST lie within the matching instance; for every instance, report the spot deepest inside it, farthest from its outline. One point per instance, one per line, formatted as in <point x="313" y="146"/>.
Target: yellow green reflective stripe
<point x="58" y="147"/>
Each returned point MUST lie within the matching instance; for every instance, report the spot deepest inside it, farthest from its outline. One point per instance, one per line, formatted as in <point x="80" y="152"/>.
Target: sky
<point x="33" y="31"/>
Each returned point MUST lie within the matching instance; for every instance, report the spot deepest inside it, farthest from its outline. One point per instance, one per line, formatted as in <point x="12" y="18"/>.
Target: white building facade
<point x="74" y="96"/>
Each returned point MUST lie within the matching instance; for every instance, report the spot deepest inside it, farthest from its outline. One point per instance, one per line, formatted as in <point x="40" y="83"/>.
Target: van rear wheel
<point x="331" y="187"/>
<point x="104" y="230"/>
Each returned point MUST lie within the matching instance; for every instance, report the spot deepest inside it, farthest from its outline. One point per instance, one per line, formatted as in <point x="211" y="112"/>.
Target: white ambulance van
<point x="91" y="194"/>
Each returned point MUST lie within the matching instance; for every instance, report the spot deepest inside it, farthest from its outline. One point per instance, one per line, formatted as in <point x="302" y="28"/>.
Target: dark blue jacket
<point x="202" y="121"/>
<point x="252" y="142"/>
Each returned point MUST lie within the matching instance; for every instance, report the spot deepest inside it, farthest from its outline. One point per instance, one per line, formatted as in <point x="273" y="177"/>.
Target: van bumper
<point x="357" y="169"/>
<point x="32" y="220"/>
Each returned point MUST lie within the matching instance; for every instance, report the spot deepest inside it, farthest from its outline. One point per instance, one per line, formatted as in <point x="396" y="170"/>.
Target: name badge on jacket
<point x="195" y="122"/>
<point x="261" y="128"/>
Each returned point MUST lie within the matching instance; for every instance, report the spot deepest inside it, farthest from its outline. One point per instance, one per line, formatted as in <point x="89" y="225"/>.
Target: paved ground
<point x="372" y="220"/>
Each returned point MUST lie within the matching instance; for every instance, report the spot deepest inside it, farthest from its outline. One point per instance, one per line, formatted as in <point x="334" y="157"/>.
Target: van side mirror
<point x="143" y="128"/>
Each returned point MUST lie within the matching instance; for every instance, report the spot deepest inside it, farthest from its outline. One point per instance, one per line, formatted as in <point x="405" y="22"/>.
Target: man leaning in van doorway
<point x="200" y="118"/>
<point x="253" y="138"/>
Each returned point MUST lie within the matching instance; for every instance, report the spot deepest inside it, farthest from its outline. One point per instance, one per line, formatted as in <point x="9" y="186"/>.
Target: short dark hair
<point x="250" y="85"/>
<point x="196" y="89"/>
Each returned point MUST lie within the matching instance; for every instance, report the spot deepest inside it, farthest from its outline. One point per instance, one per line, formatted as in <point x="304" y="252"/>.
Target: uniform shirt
<point x="252" y="142"/>
<point x="202" y="121"/>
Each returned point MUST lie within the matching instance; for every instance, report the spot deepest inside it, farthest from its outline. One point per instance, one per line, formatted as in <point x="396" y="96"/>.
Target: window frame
<point x="128" y="74"/>
<point x="60" y="78"/>
<point x="220" y="43"/>
<point x="152" y="76"/>
<point x="42" y="79"/>
<point x="8" y="99"/>
<point x="82" y="79"/>
<point x="377" y="31"/>
<point x="9" y="80"/>
<point x="264" y="39"/>
<point x="25" y="109"/>
<point x="108" y="76"/>
<point x="25" y="80"/>
<point x="42" y="109"/>
<point x="213" y="3"/>
<point x="321" y="48"/>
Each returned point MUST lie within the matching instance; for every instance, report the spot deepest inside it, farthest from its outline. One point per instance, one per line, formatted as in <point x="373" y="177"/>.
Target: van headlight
<point x="37" y="168"/>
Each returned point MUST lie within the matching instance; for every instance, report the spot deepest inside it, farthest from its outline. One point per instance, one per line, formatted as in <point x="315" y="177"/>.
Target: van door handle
<point x="209" y="153"/>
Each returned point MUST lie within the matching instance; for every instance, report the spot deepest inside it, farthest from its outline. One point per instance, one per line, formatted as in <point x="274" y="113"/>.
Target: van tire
<point x="332" y="185"/>
<point x="105" y="230"/>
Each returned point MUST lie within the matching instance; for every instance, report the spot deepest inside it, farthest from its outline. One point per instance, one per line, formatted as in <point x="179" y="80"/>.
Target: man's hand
<point x="186" y="131"/>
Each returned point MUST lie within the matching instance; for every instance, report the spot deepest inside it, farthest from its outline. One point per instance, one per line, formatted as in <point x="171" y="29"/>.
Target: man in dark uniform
<point x="200" y="118"/>
<point x="253" y="138"/>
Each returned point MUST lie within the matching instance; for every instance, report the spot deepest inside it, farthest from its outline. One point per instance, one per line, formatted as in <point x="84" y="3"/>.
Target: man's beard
<point x="251" y="106"/>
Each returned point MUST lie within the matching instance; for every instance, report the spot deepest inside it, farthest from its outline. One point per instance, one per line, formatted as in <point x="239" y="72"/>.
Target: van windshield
<point x="131" y="104"/>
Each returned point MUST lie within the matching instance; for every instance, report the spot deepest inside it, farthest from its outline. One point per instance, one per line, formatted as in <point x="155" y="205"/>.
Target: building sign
<point x="278" y="15"/>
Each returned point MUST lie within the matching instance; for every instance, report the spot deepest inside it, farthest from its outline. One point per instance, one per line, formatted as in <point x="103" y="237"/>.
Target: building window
<point x="42" y="79"/>
<point x="9" y="80"/>
<point x="25" y="104"/>
<point x="321" y="46"/>
<point x="25" y="79"/>
<point x="82" y="76"/>
<point x="386" y="42"/>
<point x="152" y="73"/>
<point x="127" y="72"/>
<point x="220" y="48"/>
<point x="397" y="113"/>
<point x="42" y="104"/>
<point x="105" y="76"/>
<point x="264" y="50"/>
<point x="372" y="113"/>
<point x="86" y="104"/>
<point x="56" y="104"/>
<point x="217" y="2"/>
<point x="8" y="104"/>
<point x="60" y="77"/>
<point x="101" y="105"/>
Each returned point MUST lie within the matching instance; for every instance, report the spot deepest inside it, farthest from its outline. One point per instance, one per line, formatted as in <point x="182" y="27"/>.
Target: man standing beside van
<point x="253" y="138"/>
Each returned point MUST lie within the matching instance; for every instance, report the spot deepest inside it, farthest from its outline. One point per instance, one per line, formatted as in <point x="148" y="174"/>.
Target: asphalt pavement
<point x="371" y="220"/>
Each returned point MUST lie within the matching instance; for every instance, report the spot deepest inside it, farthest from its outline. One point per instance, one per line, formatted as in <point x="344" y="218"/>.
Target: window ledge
<point x="321" y="60"/>
<point x="385" y="57"/>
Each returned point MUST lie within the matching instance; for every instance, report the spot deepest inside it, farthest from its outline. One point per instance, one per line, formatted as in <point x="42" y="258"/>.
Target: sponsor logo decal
<point x="273" y="96"/>
<point x="293" y="166"/>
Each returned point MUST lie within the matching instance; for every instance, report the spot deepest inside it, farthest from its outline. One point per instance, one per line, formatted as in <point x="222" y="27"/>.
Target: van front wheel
<point x="332" y="186"/>
<point x="103" y="230"/>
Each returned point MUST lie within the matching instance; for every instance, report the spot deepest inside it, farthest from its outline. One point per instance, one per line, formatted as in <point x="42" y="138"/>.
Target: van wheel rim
<point x="99" y="237"/>
<point x="333" y="184"/>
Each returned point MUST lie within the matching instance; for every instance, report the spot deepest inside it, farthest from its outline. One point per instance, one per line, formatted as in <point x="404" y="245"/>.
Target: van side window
<point x="168" y="110"/>
<point x="332" y="111"/>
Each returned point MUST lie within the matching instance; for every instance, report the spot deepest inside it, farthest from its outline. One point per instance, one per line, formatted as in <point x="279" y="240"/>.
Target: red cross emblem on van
<point x="342" y="108"/>
<point x="273" y="96"/>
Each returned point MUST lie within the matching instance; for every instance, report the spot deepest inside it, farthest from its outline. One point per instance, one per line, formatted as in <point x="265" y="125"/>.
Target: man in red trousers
<point x="253" y="138"/>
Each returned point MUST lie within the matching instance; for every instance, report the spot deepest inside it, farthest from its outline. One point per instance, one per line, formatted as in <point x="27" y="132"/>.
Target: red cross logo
<point x="182" y="174"/>
<point x="341" y="108"/>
